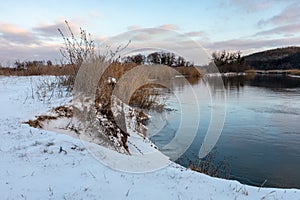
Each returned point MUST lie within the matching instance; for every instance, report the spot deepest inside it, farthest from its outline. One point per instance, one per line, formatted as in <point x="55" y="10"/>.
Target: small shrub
<point x="148" y="97"/>
<point x="210" y="166"/>
<point x="76" y="51"/>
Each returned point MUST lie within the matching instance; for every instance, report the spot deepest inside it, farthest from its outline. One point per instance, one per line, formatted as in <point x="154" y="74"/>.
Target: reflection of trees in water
<point x="275" y="81"/>
<point x="181" y="83"/>
<point x="213" y="83"/>
<point x="238" y="82"/>
<point x="235" y="82"/>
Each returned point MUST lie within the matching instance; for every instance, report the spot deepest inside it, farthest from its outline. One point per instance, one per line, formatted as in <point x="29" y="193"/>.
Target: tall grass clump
<point x="76" y="51"/>
<point x="211" y="166"/>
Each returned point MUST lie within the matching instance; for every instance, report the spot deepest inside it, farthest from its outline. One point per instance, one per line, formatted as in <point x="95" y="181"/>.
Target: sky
<point x="28" y="29"/>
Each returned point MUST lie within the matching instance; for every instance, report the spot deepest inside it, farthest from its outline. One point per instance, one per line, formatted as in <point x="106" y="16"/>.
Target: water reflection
<point x="262" y="81"/>
<point x="261" y="135"/>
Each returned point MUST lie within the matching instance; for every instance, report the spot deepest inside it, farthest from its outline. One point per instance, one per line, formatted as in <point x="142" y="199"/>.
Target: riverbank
<point x="40" y="164"/>
<point x="295" y="72"/>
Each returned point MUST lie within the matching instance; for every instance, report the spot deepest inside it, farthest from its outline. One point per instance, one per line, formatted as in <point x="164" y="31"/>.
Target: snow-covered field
<point x="39" y="164"/>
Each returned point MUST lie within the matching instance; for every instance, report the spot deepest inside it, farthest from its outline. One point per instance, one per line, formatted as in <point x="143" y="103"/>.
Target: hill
<point x="280" y="59"/>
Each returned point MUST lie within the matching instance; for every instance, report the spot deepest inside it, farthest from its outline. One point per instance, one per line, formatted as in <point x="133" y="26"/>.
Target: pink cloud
<point x="12" y="28"/>
<point x="40" y="42"/>
<point x="195" y="34"/>
<point x="290" y="14"/>
<point x="14" y="34"/>
<point x="171" y="27"/>
<point x="131" y="28"/>
<point x="51" y="30"/>
<point x="286" y="30"/>
<point x="251" y="6"/>
<point x="252" y="45"/>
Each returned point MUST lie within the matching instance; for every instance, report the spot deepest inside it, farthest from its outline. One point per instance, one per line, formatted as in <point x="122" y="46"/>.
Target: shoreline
<point x="34" y="168"/>
<point x="285" y="71"/>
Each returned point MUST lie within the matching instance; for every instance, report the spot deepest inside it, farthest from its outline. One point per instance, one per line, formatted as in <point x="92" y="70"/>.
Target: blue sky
<point x="28" y="29"/>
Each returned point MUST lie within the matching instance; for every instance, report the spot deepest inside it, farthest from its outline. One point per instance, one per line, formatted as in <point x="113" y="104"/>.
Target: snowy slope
<point x="39" y="164"/>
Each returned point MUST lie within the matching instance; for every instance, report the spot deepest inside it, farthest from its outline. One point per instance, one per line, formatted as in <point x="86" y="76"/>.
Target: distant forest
<point x="280" y="59"/>
<point x="163" y="58"/>
<point x="275" y="59"/>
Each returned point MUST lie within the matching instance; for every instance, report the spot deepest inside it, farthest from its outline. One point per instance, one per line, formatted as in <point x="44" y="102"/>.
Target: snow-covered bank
<point x="39" y="164"/>
<point x="294" y="76"/>
<point x="228" y="74"/>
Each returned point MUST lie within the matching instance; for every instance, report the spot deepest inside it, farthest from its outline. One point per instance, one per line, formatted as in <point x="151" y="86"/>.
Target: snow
<point x="40" y="164"/>
<point x="111" y="80"/>
<point x="227" y="74"/>
<point x="294" y="76"/>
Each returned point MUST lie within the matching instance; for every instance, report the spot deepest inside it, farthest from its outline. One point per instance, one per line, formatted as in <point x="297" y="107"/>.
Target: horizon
<point x="28" y="29"/>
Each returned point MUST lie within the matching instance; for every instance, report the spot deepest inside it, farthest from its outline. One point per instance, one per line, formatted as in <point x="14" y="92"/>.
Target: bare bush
<point x="46" y="88"/>
<point x="75" y="52"/>
<point x="82" y="60"/>
<point x="148" y="97"/>
<point x="211" y="166"/>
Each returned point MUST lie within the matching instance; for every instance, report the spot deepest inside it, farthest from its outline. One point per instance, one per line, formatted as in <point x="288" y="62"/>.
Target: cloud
<point x="36" y="43"/>
<point x="16" y="35"/>
<point x="51" y="30"/>
<point x="17" y="43"/>
<point x="251" y="6"/>
<point x="290" y="14"/>
<point x="195" y="34"/>
<point x="12" y="53"/>
<point x="144" y="34"/>
<point x="198" y="35"/>
<point x="290" y="30"/>
<point x="131" y="28"/>
<point x="40" y="42"/>
<point x="158" y="39"/>
<point x="162" y="32"/>
<point x="171" y="27"/>
<point x="252" y="45"/>
<point x="285" y="23"/>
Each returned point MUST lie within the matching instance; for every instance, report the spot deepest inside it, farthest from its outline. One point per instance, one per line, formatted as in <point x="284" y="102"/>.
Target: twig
<point x="262" y="184"/>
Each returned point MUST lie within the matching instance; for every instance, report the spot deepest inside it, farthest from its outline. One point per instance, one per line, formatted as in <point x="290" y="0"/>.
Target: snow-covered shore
<point x="39" y="164"/>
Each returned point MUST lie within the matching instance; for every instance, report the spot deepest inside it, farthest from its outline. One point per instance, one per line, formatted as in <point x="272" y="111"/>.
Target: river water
<point x="260" y="139"/>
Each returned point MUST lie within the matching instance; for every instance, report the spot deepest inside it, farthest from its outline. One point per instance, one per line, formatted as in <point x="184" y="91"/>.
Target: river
<point x="260" y="139"/>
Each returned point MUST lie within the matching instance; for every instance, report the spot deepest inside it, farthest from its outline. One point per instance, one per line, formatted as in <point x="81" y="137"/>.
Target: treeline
<point x="274" y="59"/>
<point x="164" y="58"/>
<point x="34" y="63"/>
<point x="229" y="61"/>
<point x="36" y="67"/>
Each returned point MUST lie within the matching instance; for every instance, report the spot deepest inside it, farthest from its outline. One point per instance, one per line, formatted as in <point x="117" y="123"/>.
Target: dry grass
<point x="37" y="123"/>
<point x="210" y="166"/>
<point x="148" y="97"/>
<point x="55" y="70"/>
<point x="105" y="89"/>
<point x="294" y="72"/>
<point x="61" y="111"/>
<point x="251" y="71"/>
<point x="188" y="71"/>
<point x="116" y="70"/>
